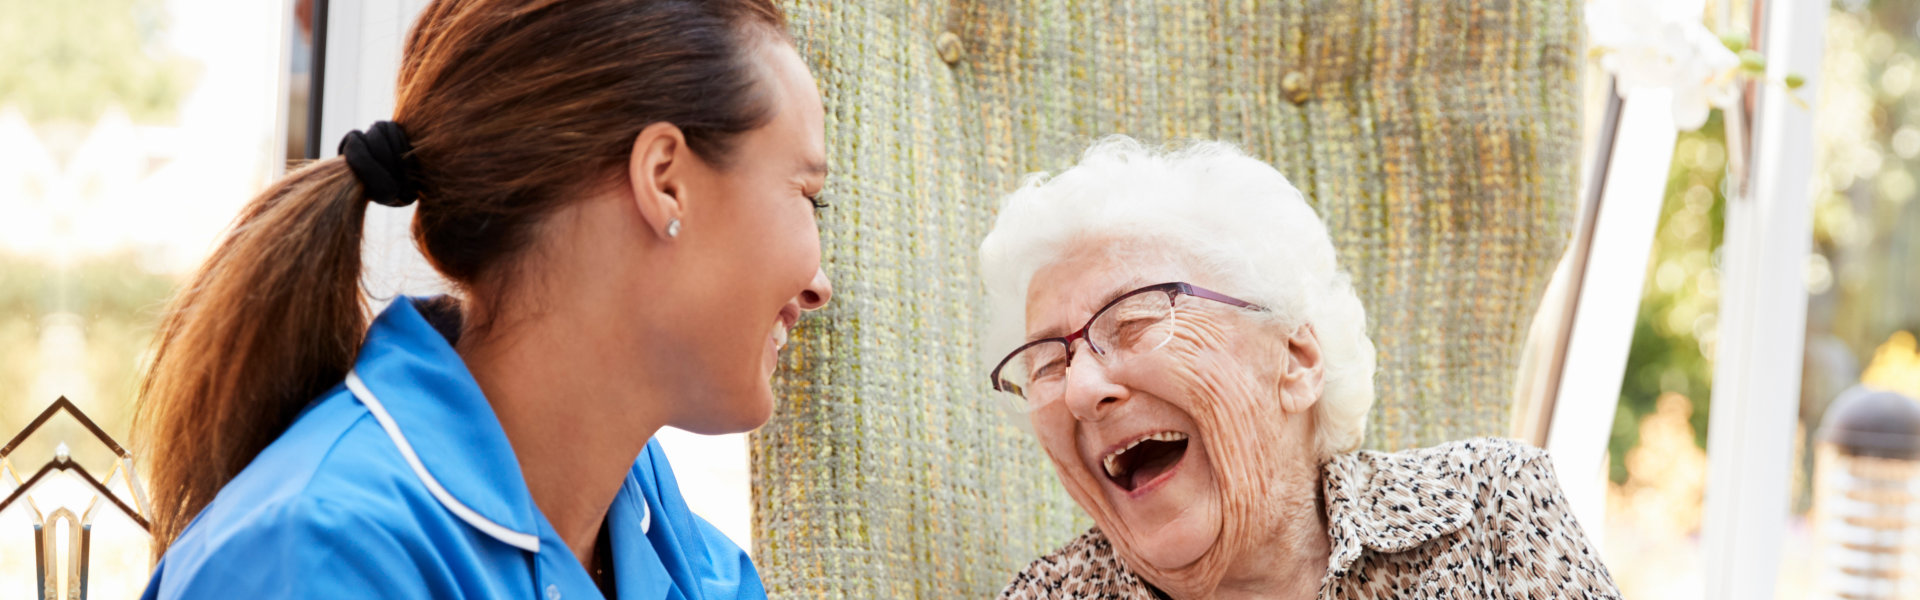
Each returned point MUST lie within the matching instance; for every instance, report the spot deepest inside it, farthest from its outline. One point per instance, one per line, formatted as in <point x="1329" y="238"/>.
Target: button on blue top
<point x="399" y="483"/>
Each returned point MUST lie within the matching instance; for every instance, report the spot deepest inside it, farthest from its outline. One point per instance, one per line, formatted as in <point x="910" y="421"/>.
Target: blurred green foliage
<point x="1674" y="333"/>
<point x="79" y="326"/>
<point x="114" y="301"/>
<point x="1864" y="275"/>
<point x="69" y="60"/>
<point x="1866" y="224"/>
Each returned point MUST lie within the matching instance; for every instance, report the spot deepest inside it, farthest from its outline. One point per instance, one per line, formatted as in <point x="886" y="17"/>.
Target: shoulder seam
<point x="331" y="447"/>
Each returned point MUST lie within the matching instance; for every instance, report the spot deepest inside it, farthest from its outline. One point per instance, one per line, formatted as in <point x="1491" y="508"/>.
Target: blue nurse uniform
<point x="399" y="483"/>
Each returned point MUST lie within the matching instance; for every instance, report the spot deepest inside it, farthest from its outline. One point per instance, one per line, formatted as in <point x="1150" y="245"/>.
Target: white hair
<point x="1234" y="215"/>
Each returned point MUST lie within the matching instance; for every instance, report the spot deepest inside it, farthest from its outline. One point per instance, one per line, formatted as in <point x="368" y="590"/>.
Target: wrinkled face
<point x="1139" y="441"/>
<point x="752" y="230"/>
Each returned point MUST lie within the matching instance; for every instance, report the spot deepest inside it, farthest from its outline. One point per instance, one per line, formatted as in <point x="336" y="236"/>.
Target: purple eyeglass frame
<point x="1173" y="289"/>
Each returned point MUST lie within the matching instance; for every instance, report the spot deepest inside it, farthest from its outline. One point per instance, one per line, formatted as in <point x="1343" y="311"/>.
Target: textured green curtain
<point x="1437" y="138"/>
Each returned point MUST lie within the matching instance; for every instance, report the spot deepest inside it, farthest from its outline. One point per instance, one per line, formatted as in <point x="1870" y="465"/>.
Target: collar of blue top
<point x="408" y="354"/>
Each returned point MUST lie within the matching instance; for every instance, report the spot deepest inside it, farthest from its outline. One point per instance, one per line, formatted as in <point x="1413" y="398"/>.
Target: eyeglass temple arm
<point x="1194" y="290"/>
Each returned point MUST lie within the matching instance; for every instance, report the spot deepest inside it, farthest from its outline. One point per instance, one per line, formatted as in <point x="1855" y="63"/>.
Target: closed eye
<point x="817" y="202"/>
<point x="1129" y="329"/>
<point x="1053" y="368"/>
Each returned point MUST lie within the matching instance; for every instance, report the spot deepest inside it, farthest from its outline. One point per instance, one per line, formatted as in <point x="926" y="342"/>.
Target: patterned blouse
<point x="1481" y="518"/>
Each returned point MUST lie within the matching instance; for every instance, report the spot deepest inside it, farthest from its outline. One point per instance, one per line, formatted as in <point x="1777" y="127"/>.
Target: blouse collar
<point x="1387" y="502"/>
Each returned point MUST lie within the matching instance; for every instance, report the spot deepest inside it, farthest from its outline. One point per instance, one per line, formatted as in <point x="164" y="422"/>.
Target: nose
<point x="817" y="292"/>
<point x="1091" y="391"/>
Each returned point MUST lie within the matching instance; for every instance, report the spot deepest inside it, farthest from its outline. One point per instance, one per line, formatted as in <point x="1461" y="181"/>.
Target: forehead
<point x="1090" y="273"/>
<point x="798" y="117"/>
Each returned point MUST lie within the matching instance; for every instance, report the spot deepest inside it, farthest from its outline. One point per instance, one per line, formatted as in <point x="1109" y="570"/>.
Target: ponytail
<point x="271" y="320"/>
<point x="511" y="108"/>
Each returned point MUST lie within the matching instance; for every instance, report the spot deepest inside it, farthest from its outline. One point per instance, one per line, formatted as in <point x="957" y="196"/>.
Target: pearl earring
<point x="673" y="228"/>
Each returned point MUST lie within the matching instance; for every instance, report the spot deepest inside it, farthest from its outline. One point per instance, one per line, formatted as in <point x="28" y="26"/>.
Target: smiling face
<point x="751" y="250"/>
<point x="1174" y="451"/>
<point x="1160" y="490"/>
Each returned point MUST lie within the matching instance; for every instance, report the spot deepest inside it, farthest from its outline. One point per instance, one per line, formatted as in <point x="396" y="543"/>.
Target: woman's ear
<point x="655" y="173"/>
<point x="1304" y="376"/>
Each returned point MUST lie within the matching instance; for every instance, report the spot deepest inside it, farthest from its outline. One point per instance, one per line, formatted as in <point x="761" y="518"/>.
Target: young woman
<point x="623" y="192"/>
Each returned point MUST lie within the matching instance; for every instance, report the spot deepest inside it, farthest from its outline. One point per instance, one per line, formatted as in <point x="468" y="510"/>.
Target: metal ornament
<point x="50" y="580"/>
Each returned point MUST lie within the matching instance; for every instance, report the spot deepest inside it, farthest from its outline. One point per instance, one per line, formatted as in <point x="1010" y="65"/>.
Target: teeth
<point x="779" y="336"/>
<point x="1112" y="460"/>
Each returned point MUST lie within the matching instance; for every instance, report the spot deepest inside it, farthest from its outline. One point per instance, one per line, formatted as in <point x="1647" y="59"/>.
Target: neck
<point x="575" y="429"/>
<point x="1291" y="563"/>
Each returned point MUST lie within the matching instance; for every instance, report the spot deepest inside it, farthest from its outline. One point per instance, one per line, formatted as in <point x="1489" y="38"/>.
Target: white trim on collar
<point x="523" y="541"/>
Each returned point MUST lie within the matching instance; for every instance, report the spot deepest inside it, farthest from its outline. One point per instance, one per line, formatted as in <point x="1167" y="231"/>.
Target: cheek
<point x="772" y="255"/>
<point x="1055" y="432"/>
<point x="1228" y="394"/>
<point x="785" y="247"/>
<point x="1204" y="369"/>
<point x="805" y="256"/>
<point x="1192" y="378"/>
<point x="1054" y="426"/>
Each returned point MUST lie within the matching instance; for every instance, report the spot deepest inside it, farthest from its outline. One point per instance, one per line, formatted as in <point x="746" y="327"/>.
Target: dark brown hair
<point x="513" y="107"/>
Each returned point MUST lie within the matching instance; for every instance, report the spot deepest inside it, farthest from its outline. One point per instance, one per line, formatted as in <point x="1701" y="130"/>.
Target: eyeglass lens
<point x="1137" y="324"/>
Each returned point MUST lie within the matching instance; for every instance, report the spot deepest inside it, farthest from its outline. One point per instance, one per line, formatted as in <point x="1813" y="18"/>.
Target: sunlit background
<point x="130" y="133"/>
<point x="1863" y="280"/>
<point x="132" y="130"/>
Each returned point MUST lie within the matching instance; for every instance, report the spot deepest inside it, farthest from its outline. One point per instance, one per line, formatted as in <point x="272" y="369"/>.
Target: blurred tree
<point x="69" y="60"/>
<point x="1673" y="336"/>
<point x="1861" y="280"/>
<point x="115" y="303"/>
<point x="64" y="64"/>
<point x="1865" y="282"/>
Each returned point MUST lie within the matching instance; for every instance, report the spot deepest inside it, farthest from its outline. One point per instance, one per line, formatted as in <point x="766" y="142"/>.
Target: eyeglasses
<point x="1137" y="322"/>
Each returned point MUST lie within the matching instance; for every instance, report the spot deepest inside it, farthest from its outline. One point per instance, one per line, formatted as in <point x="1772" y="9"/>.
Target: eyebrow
<point x="814" y="167"/>
<point x="1129" y="285"/>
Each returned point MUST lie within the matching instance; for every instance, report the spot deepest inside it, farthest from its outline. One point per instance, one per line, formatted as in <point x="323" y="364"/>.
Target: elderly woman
<point x="1197" y="368"/>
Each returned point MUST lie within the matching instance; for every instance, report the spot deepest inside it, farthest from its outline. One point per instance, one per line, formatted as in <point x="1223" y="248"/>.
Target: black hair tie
<point x="381" y="158"/>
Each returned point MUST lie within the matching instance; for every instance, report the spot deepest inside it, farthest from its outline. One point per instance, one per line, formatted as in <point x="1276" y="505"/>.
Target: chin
<point x="756" y="416"/>
<point x="1172" y="550"/>
<point x="738" y="412"/>
<point x="1175" y="543"/>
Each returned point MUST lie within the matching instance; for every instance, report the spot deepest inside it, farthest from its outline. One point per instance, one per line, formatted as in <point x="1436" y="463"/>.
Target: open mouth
<point x="783" y="326"/>
<point x="1145" y="460"/>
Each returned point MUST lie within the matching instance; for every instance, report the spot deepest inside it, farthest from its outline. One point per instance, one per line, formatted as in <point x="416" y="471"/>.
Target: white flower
<point x="1664" y="44"/>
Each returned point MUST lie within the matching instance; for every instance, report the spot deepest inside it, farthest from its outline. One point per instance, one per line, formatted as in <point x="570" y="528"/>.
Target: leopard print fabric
<point x="1481" y="518"/>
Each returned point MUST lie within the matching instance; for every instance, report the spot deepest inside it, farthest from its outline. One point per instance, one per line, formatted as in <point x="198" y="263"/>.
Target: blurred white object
<point x="1762" y="323"/>
<point x="1665" y="44"/>
<point x="1601" y="330"/>
<point x="715" y="479"/>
